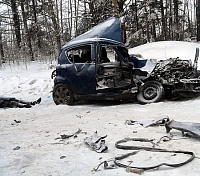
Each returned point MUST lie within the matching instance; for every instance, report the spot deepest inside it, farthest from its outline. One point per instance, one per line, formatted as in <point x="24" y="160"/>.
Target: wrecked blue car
<point x="96" y="65"/>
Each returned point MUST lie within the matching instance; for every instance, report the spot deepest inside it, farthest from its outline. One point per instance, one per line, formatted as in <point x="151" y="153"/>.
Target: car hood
<point x="109" y="29"/>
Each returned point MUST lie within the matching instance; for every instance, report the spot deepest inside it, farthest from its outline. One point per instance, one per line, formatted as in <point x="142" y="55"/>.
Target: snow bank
<point x="28" y="82"/>
<point x="167" y="49"/>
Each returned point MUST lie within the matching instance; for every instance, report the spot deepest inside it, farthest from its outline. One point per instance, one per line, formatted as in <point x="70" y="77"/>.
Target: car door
<point x="113" y="70"/>
<point x="79" y="73"/>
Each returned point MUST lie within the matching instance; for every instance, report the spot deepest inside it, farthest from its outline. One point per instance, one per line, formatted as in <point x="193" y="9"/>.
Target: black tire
<point x="63" y="95"/>
<point x="151" y="92"/>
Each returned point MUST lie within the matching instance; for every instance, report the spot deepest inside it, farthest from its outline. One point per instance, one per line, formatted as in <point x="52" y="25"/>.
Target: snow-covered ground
<point x="40" y="153"/>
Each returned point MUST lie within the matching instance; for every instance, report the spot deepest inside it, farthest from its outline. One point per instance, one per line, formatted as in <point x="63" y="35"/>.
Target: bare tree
<point x="164" y="28"/>
<point x="36" y="23"/>
<point x="2" y="59"/>
<point x="176" y="19"/>
<point x="198" y="20"/>
<point x="26" y="30"/>
<point x="42" y="26"/>
<point x="55" y="24"/>
<point x="16" y="22"/>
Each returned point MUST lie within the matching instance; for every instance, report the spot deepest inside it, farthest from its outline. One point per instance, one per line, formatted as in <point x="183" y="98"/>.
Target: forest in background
<point x="36" y="29"/>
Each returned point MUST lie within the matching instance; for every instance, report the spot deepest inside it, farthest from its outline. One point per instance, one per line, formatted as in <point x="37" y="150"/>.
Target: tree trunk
<point x="176" y="19"/>
<point x="16" y="22"/>
<point x="153" y="27"/>
<point x="147" y="22"/>
<point x="2" y="59"/>
<point x="121" y="5"/>
<point x="170" y="20"/>
<point x="55" y="25"/>
<point x="164" y="28"/>
<point x="91" y="11"/>
<point x="27" y="35"/>
<point x="76" y="18"/>
<point x="188" y="17"/>
<point x="35" y="21"/>
<point x="136" y="15"/>
<point x="71" y="14"/>
<point x="198" y="20"/>
<point x="61" y="19"/>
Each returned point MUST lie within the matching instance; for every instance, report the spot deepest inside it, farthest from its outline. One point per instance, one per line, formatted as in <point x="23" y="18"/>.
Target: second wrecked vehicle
<point x="96" y="65"/>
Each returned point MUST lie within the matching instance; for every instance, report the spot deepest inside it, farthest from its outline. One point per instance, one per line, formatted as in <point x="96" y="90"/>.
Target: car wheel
<point x="63" y="95"/>
<point x="151" y="92"/>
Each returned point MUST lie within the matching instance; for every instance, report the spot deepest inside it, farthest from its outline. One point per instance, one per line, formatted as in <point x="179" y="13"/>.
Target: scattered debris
<point x="62" y="157"/>
<point x="79" y="116"/>
<point x="64" y="136"/>
<point x="108" y="164"/>
<point x="143" y="140"/>
<point x="150" y="149"/>
<point x="17" y="121"/>
<point x="16" y="148"/>
<point x="96" y="142"/>
<point x="84" y="132"/>
<point x="139" y="170"/>
<point x="187" y="128"/>
<point x="164" y="139"/>
<point x="149" y="122"/>
<point x="134" y="170"/>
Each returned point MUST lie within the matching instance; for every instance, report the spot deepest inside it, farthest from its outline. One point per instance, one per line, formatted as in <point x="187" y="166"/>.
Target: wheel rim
<point x="150" y="92"/>
<point x="62" y="95"/>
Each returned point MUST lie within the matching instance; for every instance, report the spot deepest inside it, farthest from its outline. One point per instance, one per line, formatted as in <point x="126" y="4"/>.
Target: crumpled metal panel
<point x="150" y="122"/>
<point x="110" y="29"/>
<point x="97" y="143"/>
<point x="189" y="127"/>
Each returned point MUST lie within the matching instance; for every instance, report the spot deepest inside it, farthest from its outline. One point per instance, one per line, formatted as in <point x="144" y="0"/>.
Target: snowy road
<point x="31" y="148"/>
<point x="40" y="153"/>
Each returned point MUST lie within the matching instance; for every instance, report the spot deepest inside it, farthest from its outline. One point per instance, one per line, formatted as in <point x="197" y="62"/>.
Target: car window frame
<point x="79" y="46"/>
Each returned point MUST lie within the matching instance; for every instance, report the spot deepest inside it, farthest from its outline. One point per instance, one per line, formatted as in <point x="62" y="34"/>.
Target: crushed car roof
<point x="91" y="40"/>
<point x="109" y="30"/>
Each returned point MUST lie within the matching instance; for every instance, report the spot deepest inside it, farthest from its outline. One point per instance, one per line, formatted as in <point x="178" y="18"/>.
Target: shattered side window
<point x="124" y="53"/>
<point x="113" y="54"/>
<point x="81" y="54"/>
<point x="107" y="54"/>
